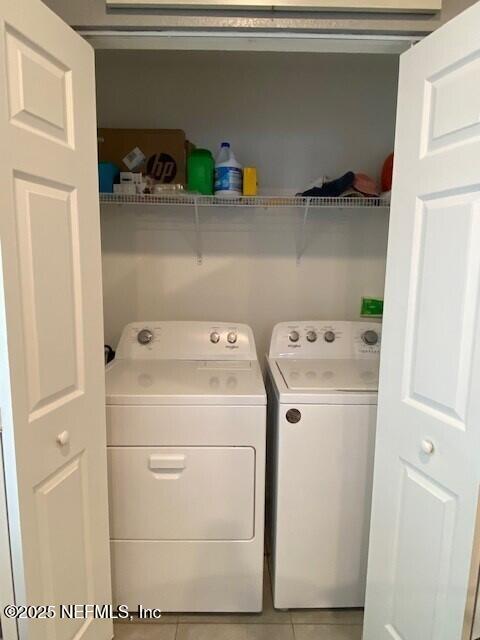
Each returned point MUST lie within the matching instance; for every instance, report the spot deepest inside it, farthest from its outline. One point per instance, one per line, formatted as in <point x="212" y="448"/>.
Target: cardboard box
<point x="158" y="153"/>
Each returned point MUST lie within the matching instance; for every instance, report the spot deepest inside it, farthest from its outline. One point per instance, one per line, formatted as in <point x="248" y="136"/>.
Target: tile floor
<point x="311" y="624"/>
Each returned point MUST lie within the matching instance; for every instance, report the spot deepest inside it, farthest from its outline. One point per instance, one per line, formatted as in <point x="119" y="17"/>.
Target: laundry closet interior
<point x="295" y="116"/>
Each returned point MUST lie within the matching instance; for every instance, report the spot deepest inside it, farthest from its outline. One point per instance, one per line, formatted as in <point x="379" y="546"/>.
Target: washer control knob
<point x="370" y="337"/>
<point x="311" y="336"/>
<point x="329" y="336"/>
<point x="294" y="336"/>
<point x="232" y="337"/>
<point x="214" y="337"/>
<point x="145" y="336"/>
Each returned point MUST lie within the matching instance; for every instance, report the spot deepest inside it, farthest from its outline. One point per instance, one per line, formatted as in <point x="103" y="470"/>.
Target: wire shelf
<point x="266" y="202"/>
<point x="195" y="203"/>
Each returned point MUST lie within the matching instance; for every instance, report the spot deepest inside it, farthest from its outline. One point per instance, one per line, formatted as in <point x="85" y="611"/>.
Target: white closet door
<point x="51" y="334"/>
<point x="427" y="464"/>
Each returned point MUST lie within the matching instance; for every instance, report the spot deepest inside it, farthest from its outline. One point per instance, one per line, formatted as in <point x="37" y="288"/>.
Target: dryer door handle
<point x="166" y="462"/>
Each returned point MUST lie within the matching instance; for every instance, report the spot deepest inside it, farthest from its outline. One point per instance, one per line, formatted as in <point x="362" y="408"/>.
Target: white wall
<point x="294" y="117"/>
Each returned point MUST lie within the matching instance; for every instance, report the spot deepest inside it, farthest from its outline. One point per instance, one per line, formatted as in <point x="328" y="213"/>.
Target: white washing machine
<point x="322" y="386"/>
<point x="186" y="420"/>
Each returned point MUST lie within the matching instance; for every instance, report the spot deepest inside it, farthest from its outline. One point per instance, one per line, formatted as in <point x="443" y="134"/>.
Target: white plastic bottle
<point x="228" y="173"/>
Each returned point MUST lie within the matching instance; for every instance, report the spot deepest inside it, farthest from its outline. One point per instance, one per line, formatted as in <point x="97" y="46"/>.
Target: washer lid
<point x="329" y="375"/>
<point x="184" y="382"/>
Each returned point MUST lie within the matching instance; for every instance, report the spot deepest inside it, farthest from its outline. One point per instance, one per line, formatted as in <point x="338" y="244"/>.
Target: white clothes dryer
<point x="186" y="420"/>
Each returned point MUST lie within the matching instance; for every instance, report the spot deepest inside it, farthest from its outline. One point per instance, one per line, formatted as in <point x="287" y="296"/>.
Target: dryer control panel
<point x="177" y="340"/>
<point x="326" y="339"/>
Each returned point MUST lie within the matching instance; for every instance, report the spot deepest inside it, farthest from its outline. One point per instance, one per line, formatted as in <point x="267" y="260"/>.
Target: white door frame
<point x="7" y="595"/>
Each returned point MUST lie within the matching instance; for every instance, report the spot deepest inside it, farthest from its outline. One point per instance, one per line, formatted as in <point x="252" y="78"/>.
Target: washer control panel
<point x="177" y="340"/>
<point x="326" y="339"/>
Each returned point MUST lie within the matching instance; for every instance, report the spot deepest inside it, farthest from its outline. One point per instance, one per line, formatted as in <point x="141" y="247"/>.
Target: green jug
<point x="200" y="172"/>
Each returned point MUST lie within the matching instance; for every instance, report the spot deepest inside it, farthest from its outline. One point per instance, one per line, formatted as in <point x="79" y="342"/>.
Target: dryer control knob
<point x="311" y="336"/>
<point x="329" y="336"/>
<point x="214" y="337"/>
<point x="232" y="337"/>
<point x="370" y="337"/>
<point x="145" y="336"/>
<point x="294" y="336"/>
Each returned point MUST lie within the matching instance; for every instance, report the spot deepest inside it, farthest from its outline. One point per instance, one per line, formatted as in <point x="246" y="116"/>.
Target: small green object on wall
<point x="372" y="307"/>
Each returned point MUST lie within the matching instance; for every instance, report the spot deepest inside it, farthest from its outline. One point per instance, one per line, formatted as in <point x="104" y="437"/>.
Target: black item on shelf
<point x="332" y="189"/>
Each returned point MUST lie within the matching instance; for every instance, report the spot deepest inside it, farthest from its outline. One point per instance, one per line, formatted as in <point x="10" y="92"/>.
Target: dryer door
<point x="182" y="493"/>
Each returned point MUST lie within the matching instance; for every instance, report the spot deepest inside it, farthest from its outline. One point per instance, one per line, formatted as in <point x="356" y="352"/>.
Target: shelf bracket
<point x="198" y="234"/>
<point x="303" y="233"/>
